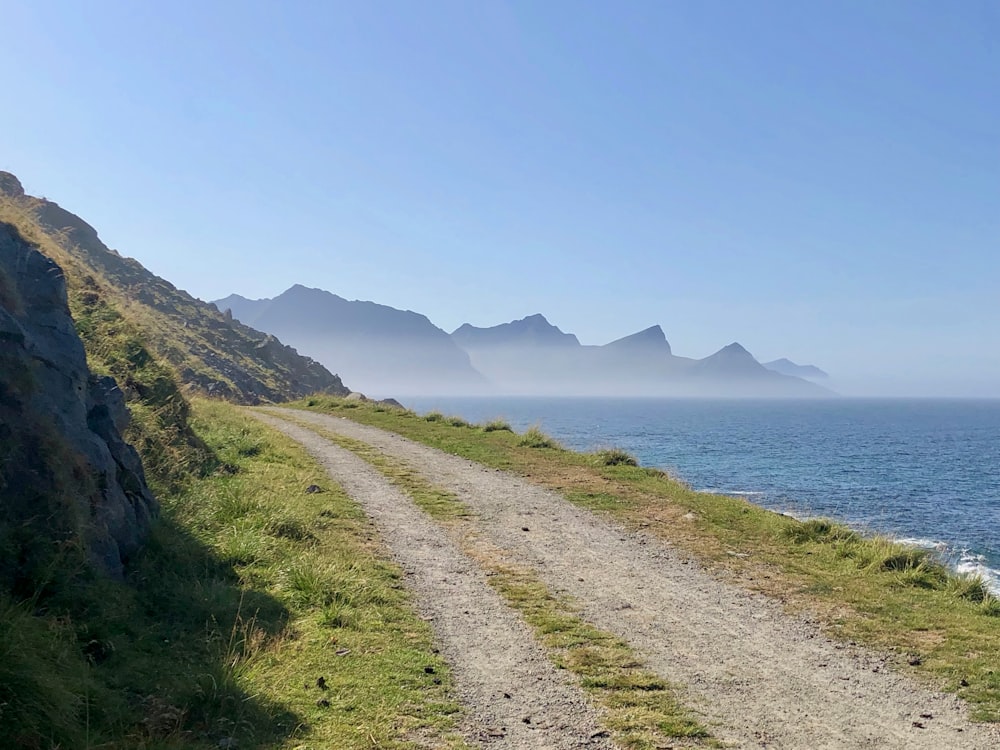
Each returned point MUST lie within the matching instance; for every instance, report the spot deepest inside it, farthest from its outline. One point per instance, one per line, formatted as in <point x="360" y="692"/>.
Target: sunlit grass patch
<point x="249" y="591"/>
<point x="533" y="437"/>
<point x="497" y="425"/>
<point x="615" y="457"/>
<point x="639" y="706"/>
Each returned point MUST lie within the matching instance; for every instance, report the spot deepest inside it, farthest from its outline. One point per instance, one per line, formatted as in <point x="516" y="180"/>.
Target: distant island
<point x="387" y="351"/>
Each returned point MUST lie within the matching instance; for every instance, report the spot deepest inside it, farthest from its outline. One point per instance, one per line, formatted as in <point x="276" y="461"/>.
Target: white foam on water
<point x="934" y="544"/>
<point x="732" y="493"/>
<point x="962" y="561"/>
<point x="970" y="563"/>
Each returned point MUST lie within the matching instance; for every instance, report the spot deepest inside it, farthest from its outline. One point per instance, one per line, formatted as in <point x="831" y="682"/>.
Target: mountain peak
<point x="732" y="361"/>
<point x="651" y="338"/>
<point x="734" y="349"/>
<point x="785" y="366"/>
<point x="533" y="330"/>
<point x="10" y="185"/>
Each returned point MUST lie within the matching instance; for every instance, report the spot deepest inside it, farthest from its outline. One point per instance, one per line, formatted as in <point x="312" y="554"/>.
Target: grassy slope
<point x="203" y="350"/>
<point x="250" y="590"/>
<point x="946" y="628"/>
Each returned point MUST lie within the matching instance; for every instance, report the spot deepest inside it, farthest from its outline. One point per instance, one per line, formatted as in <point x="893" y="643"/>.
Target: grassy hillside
<point x="208" y="352"/>
<point x="174" y="656"/>
<point x="250" y="590"/>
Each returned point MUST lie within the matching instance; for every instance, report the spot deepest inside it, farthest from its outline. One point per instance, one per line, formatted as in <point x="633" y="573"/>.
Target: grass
<point x="874" y="591"/>
<point x="249" y="591"/>
<point x="497" y="425"/>
<point x="533" y="437"/>
<point x="196" y="343"/>
<point x="638" y="707"/>
<point x="615" y="457"/>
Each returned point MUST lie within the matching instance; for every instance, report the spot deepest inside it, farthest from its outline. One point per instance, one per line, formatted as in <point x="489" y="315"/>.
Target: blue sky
<point x="815" y="180"/>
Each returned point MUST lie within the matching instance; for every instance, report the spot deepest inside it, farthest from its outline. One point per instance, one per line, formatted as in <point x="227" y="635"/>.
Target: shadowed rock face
<point x="60" y="425"/>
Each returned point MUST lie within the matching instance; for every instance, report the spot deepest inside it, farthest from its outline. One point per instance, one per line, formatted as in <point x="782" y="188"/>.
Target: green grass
<point x="533" y="437"/>
<point x="616" y="457"/>
<point x="249" y="591"/>
<point x="640" y="707"/>
<point x="497" y="425"/>
<point x="195" y="343"/>
<point x="637" y="706"/>
<point x="873" y="591"/>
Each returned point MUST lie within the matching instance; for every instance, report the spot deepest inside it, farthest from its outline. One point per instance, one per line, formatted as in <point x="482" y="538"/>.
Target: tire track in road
<point x="514" y="697"/>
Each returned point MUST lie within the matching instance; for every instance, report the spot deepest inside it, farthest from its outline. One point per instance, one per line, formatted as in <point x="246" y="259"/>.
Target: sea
<point x="923" y="471"/>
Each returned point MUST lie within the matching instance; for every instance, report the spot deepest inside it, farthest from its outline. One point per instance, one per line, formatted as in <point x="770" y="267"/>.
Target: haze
<point x="818" y="181"/>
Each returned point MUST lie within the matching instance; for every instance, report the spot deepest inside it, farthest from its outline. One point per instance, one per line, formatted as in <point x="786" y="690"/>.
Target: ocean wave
<point x="970" y="563"/>
<point x="962" y="561"/>
<point x="923" y="543"/>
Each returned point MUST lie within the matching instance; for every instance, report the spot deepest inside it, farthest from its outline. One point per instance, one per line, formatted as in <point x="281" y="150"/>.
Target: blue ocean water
<point x="926" y="471"/>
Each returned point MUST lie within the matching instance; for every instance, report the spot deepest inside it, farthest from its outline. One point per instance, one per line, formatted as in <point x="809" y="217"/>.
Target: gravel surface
<point x="764" y="678"/>
<point x="515" y="699"/>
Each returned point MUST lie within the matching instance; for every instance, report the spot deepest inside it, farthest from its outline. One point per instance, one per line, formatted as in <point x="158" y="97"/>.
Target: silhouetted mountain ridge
<point x="649" y="339"/>
<point x="377" y="348"/>
<point x="534" y="330"/>
<point x="787" y="367"/>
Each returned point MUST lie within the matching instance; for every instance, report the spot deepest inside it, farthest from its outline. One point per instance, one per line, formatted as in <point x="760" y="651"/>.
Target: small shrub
<point x="458" y="422"/>
<point x="497" y="425"/>
<point x="535" y="438"/>
<point x="927" y="574"/>
<point x="616" y="457"/>
<point x="821" y="530"/>
<point x="339" y="614"/>
<point x="243" y="544"/>
<point x="290" y="528"/>
<point x="434" y="416"/>
<point x="895" y="557"/>
<point x="308" y="586"/>
<point x="970" y="587"/>
<point x="990" y="606"/>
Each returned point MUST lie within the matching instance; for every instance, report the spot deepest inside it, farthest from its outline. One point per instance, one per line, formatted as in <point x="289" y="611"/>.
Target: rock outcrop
<point x="211" y="353"/>
<point x="67" y="476"/>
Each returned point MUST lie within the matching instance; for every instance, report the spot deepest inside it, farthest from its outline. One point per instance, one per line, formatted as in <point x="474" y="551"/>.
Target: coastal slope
<point x="211" y="353"/>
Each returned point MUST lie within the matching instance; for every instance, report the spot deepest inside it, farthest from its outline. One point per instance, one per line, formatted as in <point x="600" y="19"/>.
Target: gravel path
<point x="764" y="678"/>
<point x="514" y="698"/>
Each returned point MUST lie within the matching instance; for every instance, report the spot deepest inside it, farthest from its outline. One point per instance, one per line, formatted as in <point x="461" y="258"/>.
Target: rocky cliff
<point x="69" y="483"/>
<point x="211" y="353"/>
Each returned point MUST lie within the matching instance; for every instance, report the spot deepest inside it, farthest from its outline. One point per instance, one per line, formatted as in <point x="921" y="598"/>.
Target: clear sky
<point x="814" y="180"/>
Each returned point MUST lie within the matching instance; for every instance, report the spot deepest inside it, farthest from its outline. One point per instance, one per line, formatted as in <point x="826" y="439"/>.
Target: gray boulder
<point x="58" y="403"/>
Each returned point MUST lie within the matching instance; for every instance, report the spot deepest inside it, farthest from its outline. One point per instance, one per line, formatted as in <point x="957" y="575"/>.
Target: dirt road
<point x="759" y="677"/>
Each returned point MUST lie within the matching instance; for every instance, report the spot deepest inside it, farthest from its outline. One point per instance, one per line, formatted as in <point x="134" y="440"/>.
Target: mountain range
<point x="376" y="348"/>
<point x="383" y="350"/>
